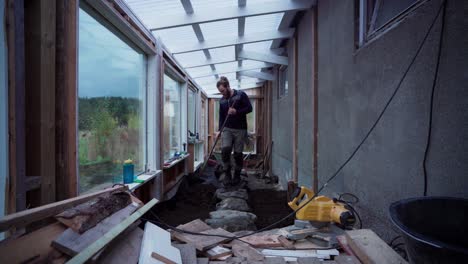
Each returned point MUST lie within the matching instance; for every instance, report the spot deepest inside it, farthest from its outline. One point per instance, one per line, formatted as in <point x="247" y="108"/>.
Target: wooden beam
<point x="295" y="112"/>
<point x="259" y="75"/>
<point x="231" y="41"/>
<point x="47" y="100"/>
<point x="66" y="97"/>
<point x="242" y="87"/>
<point x="315" y="98"/>
<point x="237" y="69"/>
<point x="23" y="218"/>
<point x="94" y="248"/>
<point x="286" y="21"/>
<point x="204" y="16"/>
<point x="266" y="57"/>
<point x="16" y="111"/>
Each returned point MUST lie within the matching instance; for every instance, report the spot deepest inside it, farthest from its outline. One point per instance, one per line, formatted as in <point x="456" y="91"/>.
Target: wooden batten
<point x="295" y="111"/>
<point x="315" y="99"/>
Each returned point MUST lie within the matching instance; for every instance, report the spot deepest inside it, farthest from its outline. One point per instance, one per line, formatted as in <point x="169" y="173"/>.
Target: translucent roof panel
<point x="176" y="36"/>
<point x="258" y="46"/>
<point x="223" y="53"/>
<point x="219" y="29"/>
<point x="262" y="23"/>
<point x="190" y="58"/>
<point x="147" y="10"/>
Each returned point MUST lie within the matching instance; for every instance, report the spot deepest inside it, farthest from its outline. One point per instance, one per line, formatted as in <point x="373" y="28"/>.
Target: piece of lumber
<point x="286" y="242"/>
<point x="345" y="259"/>
<point x="125" y="250"/>
<point x="275" y="260"/>
<point x="263" y="241"/>
<point x="370" y="248"/>
<point x="72" y="243"/>
<point x="246" y="251"/>
<point x="156" y="246"/>
<point x="218" y="252"/>
<point x="111" y="235"/>
<point x="343" y="242"/>
<point x="187" y="252"/>
<point x="196" y="225"/>
<point x="87" y="215"/>
<point x="201" y="242"/>
<point x="25" y="217"/>
<point x="309" y="260"/>
<point x="322" y="254"/>
<point x="33" y="246"/>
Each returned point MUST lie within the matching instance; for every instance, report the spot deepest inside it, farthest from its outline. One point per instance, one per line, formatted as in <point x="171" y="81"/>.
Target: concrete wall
<point x="353" y="87"/>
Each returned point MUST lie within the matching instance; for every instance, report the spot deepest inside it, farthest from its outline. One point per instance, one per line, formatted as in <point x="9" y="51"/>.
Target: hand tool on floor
<point x="321" y="209"/>
<point x="221" y="130"/>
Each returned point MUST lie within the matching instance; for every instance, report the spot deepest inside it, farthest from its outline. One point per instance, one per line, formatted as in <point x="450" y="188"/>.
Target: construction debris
<point x="232" y="221"/>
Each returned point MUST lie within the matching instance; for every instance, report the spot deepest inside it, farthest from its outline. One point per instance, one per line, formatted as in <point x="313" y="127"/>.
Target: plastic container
<point x="128" y="171"/>
<point x="435" y="229"/>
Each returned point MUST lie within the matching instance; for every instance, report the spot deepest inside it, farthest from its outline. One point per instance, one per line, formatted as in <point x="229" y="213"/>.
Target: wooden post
<point x="16" y="106"/>
<point x="295" y="113"/>
<point x="47" y="100"/>
<point x="67" y="99"/>
<point x="315" y="95"/>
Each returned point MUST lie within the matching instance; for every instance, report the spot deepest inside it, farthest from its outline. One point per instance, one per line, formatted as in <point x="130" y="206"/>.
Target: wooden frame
<point x="295" y="111"/>
<point x="315" y="99"/>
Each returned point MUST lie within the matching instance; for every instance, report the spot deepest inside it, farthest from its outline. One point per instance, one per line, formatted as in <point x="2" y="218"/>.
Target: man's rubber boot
<point x="227" y="178"/>
<point x="237" y="177"/>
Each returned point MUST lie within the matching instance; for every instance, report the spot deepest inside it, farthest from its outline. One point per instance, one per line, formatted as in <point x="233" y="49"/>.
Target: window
<point x="282" y="82"/>
<point x="172" y="117"/>
<point x="111" y="120"/>
<point x="192" y="111"/>
<point x="374" y="16"/>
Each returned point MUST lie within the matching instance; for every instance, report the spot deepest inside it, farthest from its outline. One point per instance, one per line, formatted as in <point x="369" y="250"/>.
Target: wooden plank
<point x="66" y="98"/>
<point x="201" y="242"/>
<point x="263" y="241"/>
<point x="243" y="250"/>
<point x="295" y="111"/>
<point x="33" y="246"/>
<point x="286" y="242"/>
<point x="72" y="243"/>
<point x="315" y="99"/>
<point x="111" y="235"/>
<point x="187" y="252"/>
<point x="125" y="250"/>
<point x="218" y="252"/>
<point x="23" y="218"/>
<point x="344" y="259"/>
<point x="370" y="248"/>
<point x="156" y="245"/>
<point x="343" y="242"/>
<point x="87" y="215"/>
<point x="47" y="100"/>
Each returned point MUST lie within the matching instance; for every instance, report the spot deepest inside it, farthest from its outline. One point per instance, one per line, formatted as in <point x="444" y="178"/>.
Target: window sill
<point x="196" y="142"/>
<point x="144" y="177"/>
<point x="197" y="165"/>
<point x="172" y="164"/>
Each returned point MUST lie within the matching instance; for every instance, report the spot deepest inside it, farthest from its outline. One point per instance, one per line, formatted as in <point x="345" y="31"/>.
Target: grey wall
<point x="353" y="87"/>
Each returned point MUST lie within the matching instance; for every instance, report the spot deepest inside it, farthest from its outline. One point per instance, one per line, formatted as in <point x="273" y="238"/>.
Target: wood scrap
<point x="87" y="215"/>
<point x="160" y="249"/>
<point x="33" y="246"/>
<point x="265" y="241"/>
<point x="218" y="252"/>
<point x="187" y="252"/>
<point x="25" y="217"/>
<point x="343" y="242"/>
<point x="246" y="251"/>
<point x="126" y="249"/>
<point x="286" y="242"/>
<point x="275" y="260"/>
<point x="370" y="248"/>
<point x="345" y="259"/>
<point x="201" y="242"/>
<point x="71" y="243"/>
<point x="309" y="260"/>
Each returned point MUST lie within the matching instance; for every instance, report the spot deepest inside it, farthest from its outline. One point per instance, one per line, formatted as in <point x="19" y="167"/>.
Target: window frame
<point x="282" y="80"/>
<point x="151" y="166"/>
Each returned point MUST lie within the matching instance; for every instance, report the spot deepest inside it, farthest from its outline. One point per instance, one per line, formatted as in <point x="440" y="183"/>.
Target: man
<point x="234" y="106"/>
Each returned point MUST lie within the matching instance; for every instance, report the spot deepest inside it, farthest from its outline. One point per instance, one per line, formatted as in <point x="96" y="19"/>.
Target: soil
<point x="270" y="206"/>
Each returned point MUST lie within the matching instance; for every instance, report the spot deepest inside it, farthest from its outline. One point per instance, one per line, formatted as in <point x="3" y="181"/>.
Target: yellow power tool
<point x="320" y="209"/>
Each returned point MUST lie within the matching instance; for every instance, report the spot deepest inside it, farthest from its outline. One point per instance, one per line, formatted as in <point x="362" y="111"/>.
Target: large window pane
<point x="172" y="117"/>
<point x="111" y="95"/>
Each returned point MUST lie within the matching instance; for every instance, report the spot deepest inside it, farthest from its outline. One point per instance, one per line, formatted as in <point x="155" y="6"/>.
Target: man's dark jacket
<point x="240" y="101"/>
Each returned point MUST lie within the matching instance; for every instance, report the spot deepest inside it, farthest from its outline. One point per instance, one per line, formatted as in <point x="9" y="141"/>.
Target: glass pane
<point x="110" y="105"/>
<point x="192" y="110"/>
<point x="390" y="9"/>
<point x="172" y="117"/>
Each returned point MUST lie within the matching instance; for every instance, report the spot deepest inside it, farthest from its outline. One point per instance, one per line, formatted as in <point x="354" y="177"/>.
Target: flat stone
<point x="232" y="221"/>
<point x="236" y="204"/>
<point x="222" y="194"/>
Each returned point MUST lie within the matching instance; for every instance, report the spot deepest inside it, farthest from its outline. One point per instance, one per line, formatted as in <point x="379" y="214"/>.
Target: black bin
<point x="435" y="228"/>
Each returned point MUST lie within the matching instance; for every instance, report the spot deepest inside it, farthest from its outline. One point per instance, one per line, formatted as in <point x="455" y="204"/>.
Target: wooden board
<point x="345" y="259"/>
<point x="204" y="243"/>
<point x="156" y="246"/>
<point x="71" y="243"/>
<point x="343" y="242"/>
<point x="243" y="250"/>
<point x="218" y="252"/>
<point x="188" y="253"/>
<point x="35" y="245"/>
<point x="263" y="240"/>
<point x="125" y="250"/>
<point x="370" y="249"/>
<point x="87" y="215"/>
<point x="23" y="218"/>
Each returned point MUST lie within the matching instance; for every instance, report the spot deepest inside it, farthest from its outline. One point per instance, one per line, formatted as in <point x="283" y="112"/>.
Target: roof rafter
<point x="242" y="87"/>
<point x="259" y="75"/>
<point x="225" y="42"/>
<point x="237" y="69"/>
<point x="265" y="57"/>
<point x="204" y="16"/>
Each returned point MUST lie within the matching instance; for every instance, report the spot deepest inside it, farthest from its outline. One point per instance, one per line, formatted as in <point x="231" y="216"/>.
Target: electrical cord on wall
<point x="334" y="175"/>
<point x="434" y="82"/>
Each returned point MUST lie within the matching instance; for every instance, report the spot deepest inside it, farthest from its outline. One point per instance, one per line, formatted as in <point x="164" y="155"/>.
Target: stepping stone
<point x="236" y="204"/>
<point x="222" y="194"/>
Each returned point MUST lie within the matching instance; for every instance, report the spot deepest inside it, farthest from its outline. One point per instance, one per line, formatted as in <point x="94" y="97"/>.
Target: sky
<point x="107" y="66"/>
